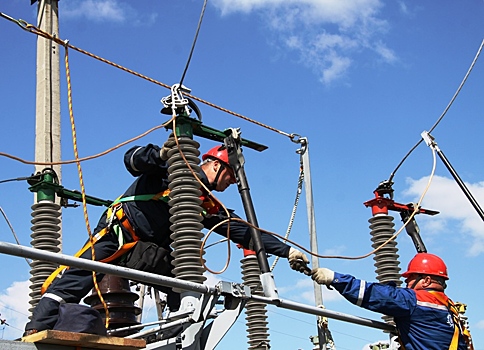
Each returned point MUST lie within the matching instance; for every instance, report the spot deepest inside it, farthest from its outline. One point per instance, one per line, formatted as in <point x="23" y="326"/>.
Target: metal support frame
<point x="325" y="338"/>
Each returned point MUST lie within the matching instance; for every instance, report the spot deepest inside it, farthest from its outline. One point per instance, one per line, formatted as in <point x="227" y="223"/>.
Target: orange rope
<point x="33" y="29"/>
<point x="88" y="157"/>
<point x="81" y="181"/>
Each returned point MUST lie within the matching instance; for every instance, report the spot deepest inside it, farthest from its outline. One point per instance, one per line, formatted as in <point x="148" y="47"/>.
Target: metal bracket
<point x="234" y="289"/>
<point x="46" y="182"/>
<point x="175" y="103"/>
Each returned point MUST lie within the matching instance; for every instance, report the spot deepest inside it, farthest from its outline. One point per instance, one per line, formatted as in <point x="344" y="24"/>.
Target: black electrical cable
<point x="18" y="179"/>
<point x="194" y="42"/>
<point x="443" y="113"/>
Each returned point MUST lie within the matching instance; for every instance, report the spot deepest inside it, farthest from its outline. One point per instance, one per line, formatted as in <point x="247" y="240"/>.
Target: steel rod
<point x="62" y="259"/>
<point x="37" y="254"/>
<point x="290" y="305"/>
<point x="461" y="184"/>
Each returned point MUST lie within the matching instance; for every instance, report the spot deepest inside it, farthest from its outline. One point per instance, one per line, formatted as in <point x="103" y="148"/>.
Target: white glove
<point x="169" y="143"/>
<point x="322" y="275"/>
<point x="298" y="261"/>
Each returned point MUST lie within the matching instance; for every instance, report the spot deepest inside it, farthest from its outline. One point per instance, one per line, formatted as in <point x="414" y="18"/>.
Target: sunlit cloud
<point x="480" y="324"/>
<point x="328" y="35"/>
<point x="14" y="306"/>
<point x="98" y="10"/>
<point x="105" y="10"/>
<point x="455" y="209"/>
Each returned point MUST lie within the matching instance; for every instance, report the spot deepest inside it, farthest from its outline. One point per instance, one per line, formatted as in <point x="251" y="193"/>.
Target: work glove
<point x="322" y="275"/>
<point x="169" y="143"/>
<point x="298" y="261"/>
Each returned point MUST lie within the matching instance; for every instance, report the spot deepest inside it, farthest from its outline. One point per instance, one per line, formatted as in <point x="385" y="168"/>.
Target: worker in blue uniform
<point x="142" y="214"/>
<point x="426" y="319"/>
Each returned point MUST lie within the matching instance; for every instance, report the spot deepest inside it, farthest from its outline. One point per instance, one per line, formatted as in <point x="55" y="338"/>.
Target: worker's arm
<point x="145" y="160"/>
<point x="387" y="299"/>
<point x="240" y="233"/>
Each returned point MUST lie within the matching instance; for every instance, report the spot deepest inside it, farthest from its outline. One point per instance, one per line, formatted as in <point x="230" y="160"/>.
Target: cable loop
<point x="296" y="138"/>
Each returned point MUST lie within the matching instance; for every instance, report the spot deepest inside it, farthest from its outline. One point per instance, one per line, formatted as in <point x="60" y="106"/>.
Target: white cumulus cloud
<point x="113" y="11"/>
<point x="455" y="209"/>
<point x="327" y="35"/>
<point x="14" y="306"/>
<point x="99" y="10"/>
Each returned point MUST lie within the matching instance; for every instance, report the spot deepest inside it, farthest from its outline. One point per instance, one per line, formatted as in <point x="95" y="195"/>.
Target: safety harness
<point x="459" y="326"/>
<point x="115" y="211"/>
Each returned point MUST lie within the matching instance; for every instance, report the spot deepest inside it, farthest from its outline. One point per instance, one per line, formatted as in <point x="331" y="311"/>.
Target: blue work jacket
<point x="151" y="219"/>
<point x="423" y="321"/>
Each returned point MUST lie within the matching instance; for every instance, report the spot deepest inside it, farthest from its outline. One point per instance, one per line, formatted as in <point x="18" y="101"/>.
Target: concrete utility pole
<point x="46" y="222"/>
<point x="47" y="130"/>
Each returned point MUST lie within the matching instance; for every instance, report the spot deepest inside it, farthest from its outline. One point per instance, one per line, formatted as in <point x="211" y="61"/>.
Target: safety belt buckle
<point x="112" y="215"/>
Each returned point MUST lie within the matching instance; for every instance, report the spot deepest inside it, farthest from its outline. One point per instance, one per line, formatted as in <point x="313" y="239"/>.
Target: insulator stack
<point x="257" y="330"/>
<point x="386" y="258"/>
<point x="120" y="304"/>
<point x="185" y="211"/>
<point x="45" y="235"/>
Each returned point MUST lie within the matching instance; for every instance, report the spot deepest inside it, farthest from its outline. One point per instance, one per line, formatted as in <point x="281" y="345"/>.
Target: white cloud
<point x="403" y="7"/>
<point x="14" y="306"/>
<point x="113" y="11"/>
<point x="327" y="35"/>
<point x="97" y="10"/>
<point x="455" y="209"/>
<point x="480" y="324"/>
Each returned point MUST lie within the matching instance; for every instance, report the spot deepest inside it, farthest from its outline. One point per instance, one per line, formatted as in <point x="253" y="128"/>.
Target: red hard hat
<point x="426" y="264"/>
<point x="218" y="152"/>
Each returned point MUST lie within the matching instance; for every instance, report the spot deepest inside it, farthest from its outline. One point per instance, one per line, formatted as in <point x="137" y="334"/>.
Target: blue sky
<point x="361" y="79"/>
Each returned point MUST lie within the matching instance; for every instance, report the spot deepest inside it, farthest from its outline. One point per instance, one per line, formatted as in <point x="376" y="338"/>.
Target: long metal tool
<point x="237" y="161"/>
<point x="150" y="278"/>
<point x="430" y="141"/>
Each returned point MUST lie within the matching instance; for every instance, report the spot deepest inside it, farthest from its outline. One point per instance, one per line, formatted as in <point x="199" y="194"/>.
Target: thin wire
<point x="194" y="42"/>
<point x="34" y="30"/>
<point x="13" y="231"/>
<point x="445" y="110"/>
<point x="460" y="87"/>
<point x="215" y="243"/>
<point x="12" y="309"/>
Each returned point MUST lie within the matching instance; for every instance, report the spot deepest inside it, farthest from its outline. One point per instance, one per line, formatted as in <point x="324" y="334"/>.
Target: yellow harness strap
<point x="120" y="252"/>
<point x="115" y="209"/>
<point x="458" y="326"/>
<point x="87" y="246"/>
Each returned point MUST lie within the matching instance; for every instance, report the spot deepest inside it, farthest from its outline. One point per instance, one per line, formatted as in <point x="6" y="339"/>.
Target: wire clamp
<point x="176" y="100"/>
<point x="429" y="140"/>
<point x="303" y="141"/>
<point x="234" y="289"/>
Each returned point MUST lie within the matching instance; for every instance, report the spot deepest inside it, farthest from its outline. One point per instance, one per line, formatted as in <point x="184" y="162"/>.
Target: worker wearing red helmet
<point x="149" y="217"/>
<point x="223" y="175"/>
<point x="424" y="316"/>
